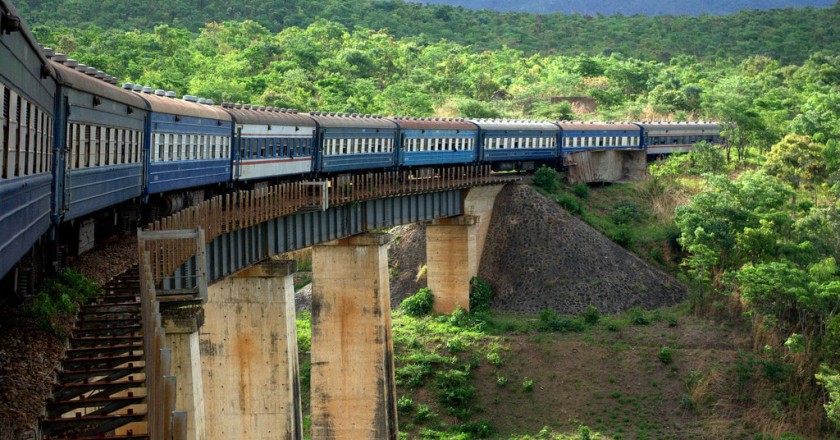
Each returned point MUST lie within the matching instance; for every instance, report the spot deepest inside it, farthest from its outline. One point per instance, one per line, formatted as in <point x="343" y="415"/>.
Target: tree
<point x="798" y="161"/>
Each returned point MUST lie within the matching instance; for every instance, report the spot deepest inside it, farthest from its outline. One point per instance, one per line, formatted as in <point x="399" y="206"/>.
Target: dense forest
<point x="758" y="236"/>
<point x="631" y="7"/>
<point x="786" y="35"/>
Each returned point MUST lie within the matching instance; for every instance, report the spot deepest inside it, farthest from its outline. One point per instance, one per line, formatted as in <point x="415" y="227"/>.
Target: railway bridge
<point x="218" y="305"/>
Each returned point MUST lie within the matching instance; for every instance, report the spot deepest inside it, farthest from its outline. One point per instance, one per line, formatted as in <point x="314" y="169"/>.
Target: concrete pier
<point x="453" y="249"/>
<point x="182" y="338"/>
<point x="353" y="390"/>
<point x="249" y="356"/>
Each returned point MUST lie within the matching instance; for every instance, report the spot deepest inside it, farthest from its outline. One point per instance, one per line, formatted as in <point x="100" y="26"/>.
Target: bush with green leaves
<point x="550" y="321"/>
<point x="581" y="190"/>
<point x="455" y="391"/>
<point x="405" y="405"/>
<point x="419" y="304"/>
<point x="59" y="298"/>
<point x="547" y="178"/>
<point x="665" y="355"/>
<point x="569" y="203"/>
<point x="591" y="315"/>
<point x="528" y="385"/>
<point x="625" y="212"/>
<point x="481" y="294"/>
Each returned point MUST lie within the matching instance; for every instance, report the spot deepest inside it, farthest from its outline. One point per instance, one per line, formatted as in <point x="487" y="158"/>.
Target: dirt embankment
<point x="541" y="257"/>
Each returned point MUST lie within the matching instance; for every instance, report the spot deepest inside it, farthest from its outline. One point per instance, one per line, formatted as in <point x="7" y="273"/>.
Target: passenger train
<point x="81" y="155"/>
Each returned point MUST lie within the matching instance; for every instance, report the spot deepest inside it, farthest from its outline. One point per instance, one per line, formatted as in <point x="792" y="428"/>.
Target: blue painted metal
<point x="339" y="163"/>
<point x="424" y="158"/>
<point x="24" y="216"/>
<point x="97" y="188"/>
<point x="167" y="176"/>
<point x="181" y="174"/>
<point x="516" y="154"/>
<point x="602" y="131"/>
<point x="25" y="201"/>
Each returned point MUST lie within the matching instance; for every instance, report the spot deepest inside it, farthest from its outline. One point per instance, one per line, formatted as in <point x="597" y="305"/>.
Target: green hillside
<point x="632" y="7"/>
<point x="787" y="35"/>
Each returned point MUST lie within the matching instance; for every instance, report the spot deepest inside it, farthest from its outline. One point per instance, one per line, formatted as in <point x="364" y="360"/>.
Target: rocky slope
<point x="541" y="257"/>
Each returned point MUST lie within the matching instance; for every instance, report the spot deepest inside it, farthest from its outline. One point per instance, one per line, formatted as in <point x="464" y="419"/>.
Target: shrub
<point x="481" y="294"/>
<point x="591" y="316"/>
<point x="480" y="429"/>
<point x="412" y="375"/>
<point x="405" y="405"/>
<point x="569" y="203"/>
<point x="581" y="190"/>
<point x="59" y="298"/>
<point x="550" y="321"/>
<point x="625" y="212"/>
<point x="621" y="235"/>
<point x="528" y="385"/>
<point x="419" y="304"/>
<point x="456" y="344"/>
<point x="546" y="178"/>
<point x="494" y="359"/>
<point x="424" y="413"/>
<point x="666" y="355"/>
<point x="459" y="318"/>
<point x="638" y="316"/>
<point x="455" y="391"/>
<point x="501" y="381"/>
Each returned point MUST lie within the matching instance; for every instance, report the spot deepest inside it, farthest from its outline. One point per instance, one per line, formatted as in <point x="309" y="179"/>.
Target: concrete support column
<point x="353" y="390"/>
<point x="249" y="356"/>
<point x="451" y="260"/>
<point x="182" y="339"/>
<point x="454" y="247"/>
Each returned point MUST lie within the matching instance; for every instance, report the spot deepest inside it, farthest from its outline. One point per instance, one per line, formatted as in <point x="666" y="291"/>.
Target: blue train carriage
<point x="189" y="150"/>
<point x="436" y="141"/>
<point x="598" y="136"/>
<point x="270" y="142"/>
<point x="100" y="159"/>
<point x="27" y="124"/>
<point x="353" y="142"/>
<point x="517" y="145"/>
<point x="663" y="138"/>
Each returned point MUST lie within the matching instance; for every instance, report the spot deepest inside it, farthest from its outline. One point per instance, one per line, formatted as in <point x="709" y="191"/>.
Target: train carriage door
<point x="70" y="137"/>
<point x="237" y="153"/>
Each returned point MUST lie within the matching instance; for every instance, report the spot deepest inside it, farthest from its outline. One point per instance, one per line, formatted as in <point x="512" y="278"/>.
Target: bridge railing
<point x="243" y="209"/>
<point x="162" y="420"/>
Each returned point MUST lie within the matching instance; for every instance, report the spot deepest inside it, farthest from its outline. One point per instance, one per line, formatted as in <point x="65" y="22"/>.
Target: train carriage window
<point x="102" y="146"/>
<point x="4" y="128"/>
<point x="160" y="141"/>
<point x="170" y="148"/>
<point x="11" y="102"/>
<point x="24" y="139"/>
<point x="73" y="140"/>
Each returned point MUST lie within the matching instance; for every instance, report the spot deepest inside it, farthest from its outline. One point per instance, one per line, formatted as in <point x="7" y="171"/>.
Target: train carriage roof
<point x="268" y="116"/>
<point x="409" y="123"/>
<point x="70" y="77"/>
<point x="598" y="126"/>
<point x="508" y="124"/>
<point x="343" y="120"/>
<point x="164" y="104"/>
<point x="681" y="127"/>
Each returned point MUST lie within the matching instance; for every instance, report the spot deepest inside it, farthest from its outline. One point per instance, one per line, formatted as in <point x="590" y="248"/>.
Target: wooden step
<point x="90" y="426"/>
<point x="111" y="373"/>
<point x="100" y="406"/>
<point x="101" y="362"/>
<point x="100" y="389"/>
<point x="94" y="352"/>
